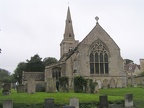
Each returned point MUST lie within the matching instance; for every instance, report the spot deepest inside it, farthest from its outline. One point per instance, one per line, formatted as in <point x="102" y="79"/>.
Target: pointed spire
<point x="68" y="14"/>
<point x="68" y="34"/>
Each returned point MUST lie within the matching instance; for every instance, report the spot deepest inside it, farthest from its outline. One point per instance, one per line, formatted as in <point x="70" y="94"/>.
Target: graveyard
<point x="86" y="100"/>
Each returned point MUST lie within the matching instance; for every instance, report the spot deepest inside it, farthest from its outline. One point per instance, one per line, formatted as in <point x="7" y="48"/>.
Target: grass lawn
<point x="114" y="95"/>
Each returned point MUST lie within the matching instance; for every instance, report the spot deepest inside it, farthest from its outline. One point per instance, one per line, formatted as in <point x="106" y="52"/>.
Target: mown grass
<point x="114" y="95"/>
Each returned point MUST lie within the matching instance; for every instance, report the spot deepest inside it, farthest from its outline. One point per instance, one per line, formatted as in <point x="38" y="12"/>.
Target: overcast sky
<point x="30" y="27"/>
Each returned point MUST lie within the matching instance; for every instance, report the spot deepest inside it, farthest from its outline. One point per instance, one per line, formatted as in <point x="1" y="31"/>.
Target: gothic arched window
<point x="99" y="58"/>
<point x="56" y="73"/>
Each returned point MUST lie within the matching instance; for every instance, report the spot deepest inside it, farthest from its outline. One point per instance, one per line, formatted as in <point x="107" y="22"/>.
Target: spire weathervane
<point x="97" y="18"/>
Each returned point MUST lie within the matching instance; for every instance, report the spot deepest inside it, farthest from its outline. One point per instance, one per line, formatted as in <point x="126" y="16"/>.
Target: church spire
<point x="68" y="43"/>
<point x="68" y="34"/>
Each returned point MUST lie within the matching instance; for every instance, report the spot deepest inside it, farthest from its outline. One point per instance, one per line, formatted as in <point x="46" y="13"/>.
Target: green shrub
<point x="63" y="82"/>
<point x="80" y="83"/>
<point x="92" y="86"/>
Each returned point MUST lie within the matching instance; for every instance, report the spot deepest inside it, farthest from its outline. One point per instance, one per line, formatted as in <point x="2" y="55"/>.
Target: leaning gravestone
<point x="129" y="100"/>
<point x="51" y="85"/>
<point x="74" y="102"/>
<point x="7" y="104"/>
<point x="6" y="88"/>
<point x="31" y="85"/>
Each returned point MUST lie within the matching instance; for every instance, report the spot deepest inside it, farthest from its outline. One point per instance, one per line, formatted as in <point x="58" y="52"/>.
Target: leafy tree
<point x="4" y="73"/>
<point x="35" y="64"/>
<point x="49" y="60"/>
<point x="18" y="71"/>
<point x="5" y="76"/>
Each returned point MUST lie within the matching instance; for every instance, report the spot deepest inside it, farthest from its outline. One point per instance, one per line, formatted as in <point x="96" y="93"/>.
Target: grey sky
<point x="30" y="27"/>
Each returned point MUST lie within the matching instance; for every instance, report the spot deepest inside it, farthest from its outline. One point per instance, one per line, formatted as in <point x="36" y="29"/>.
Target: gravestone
<point x="49" y="103"/>
<point x="99" y="84"/>
<point x="96" y="89"/>
<point x="128" y="100"/>
<point x="112" y="83"/>
<point x="103" y="101"/>
<point x="7" y="104"/>
<point x="6" y="88"/>
<point x="105" y="83"/>
<point x="119" y="83"/>
<point x="68" y="106"/>
<point x="31" y="85"/>
<point x="51" y="85"/>
<point x="21" y="88"/>
<point x="74" y="102"/>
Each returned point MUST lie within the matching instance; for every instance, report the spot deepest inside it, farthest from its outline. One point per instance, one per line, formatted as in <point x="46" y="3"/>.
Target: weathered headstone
<point x="128" y="100"/>
<point x="7" y="104"/>
<point x="68" y="106"/>
<point x="103" y="101"/>
<point x="49" y="103"/>
<point x="74" y="102"/>
<point x="6" y="88"/>
<point x="119" y="83"/>
<point x="31" y="85"/>
<point x="112" y="83"/>
<point x="99" y="84"/>
<point x="96" y="89"/>
<point x="21" y="88"/>
<point x="51" y="85"/>
<point x="105" y="83"/>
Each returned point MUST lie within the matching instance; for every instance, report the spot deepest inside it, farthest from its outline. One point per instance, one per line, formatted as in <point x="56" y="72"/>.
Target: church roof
<point x="131" y="67"/>
<point x="98" y="28"/>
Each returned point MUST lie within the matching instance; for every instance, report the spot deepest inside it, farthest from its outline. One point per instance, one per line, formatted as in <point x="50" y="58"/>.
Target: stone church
<point x="96" y="57"/>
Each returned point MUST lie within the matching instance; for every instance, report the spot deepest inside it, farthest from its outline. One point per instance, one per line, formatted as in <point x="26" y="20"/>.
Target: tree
<point x="35" y="64"/>
<point x="4" y="73"/>
<point x="49" y="60"/>
<point x="18" y="71"/>
<point x="5" y="76"/>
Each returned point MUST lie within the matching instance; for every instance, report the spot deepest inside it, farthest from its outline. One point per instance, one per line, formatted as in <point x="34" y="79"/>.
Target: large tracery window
<point x="99" y="58"/>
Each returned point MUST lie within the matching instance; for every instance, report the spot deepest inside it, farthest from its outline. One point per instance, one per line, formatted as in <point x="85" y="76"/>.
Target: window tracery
<point x="99" y="58"/>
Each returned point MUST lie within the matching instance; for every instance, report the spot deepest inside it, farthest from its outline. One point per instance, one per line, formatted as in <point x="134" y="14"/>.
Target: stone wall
<point x="38" y="77"/>
<point x="136" y="80"/>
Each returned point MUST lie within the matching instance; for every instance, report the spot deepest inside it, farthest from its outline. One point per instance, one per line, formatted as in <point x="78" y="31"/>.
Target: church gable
<point x="99" y="45"/>
<point x="99" y="33"/>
